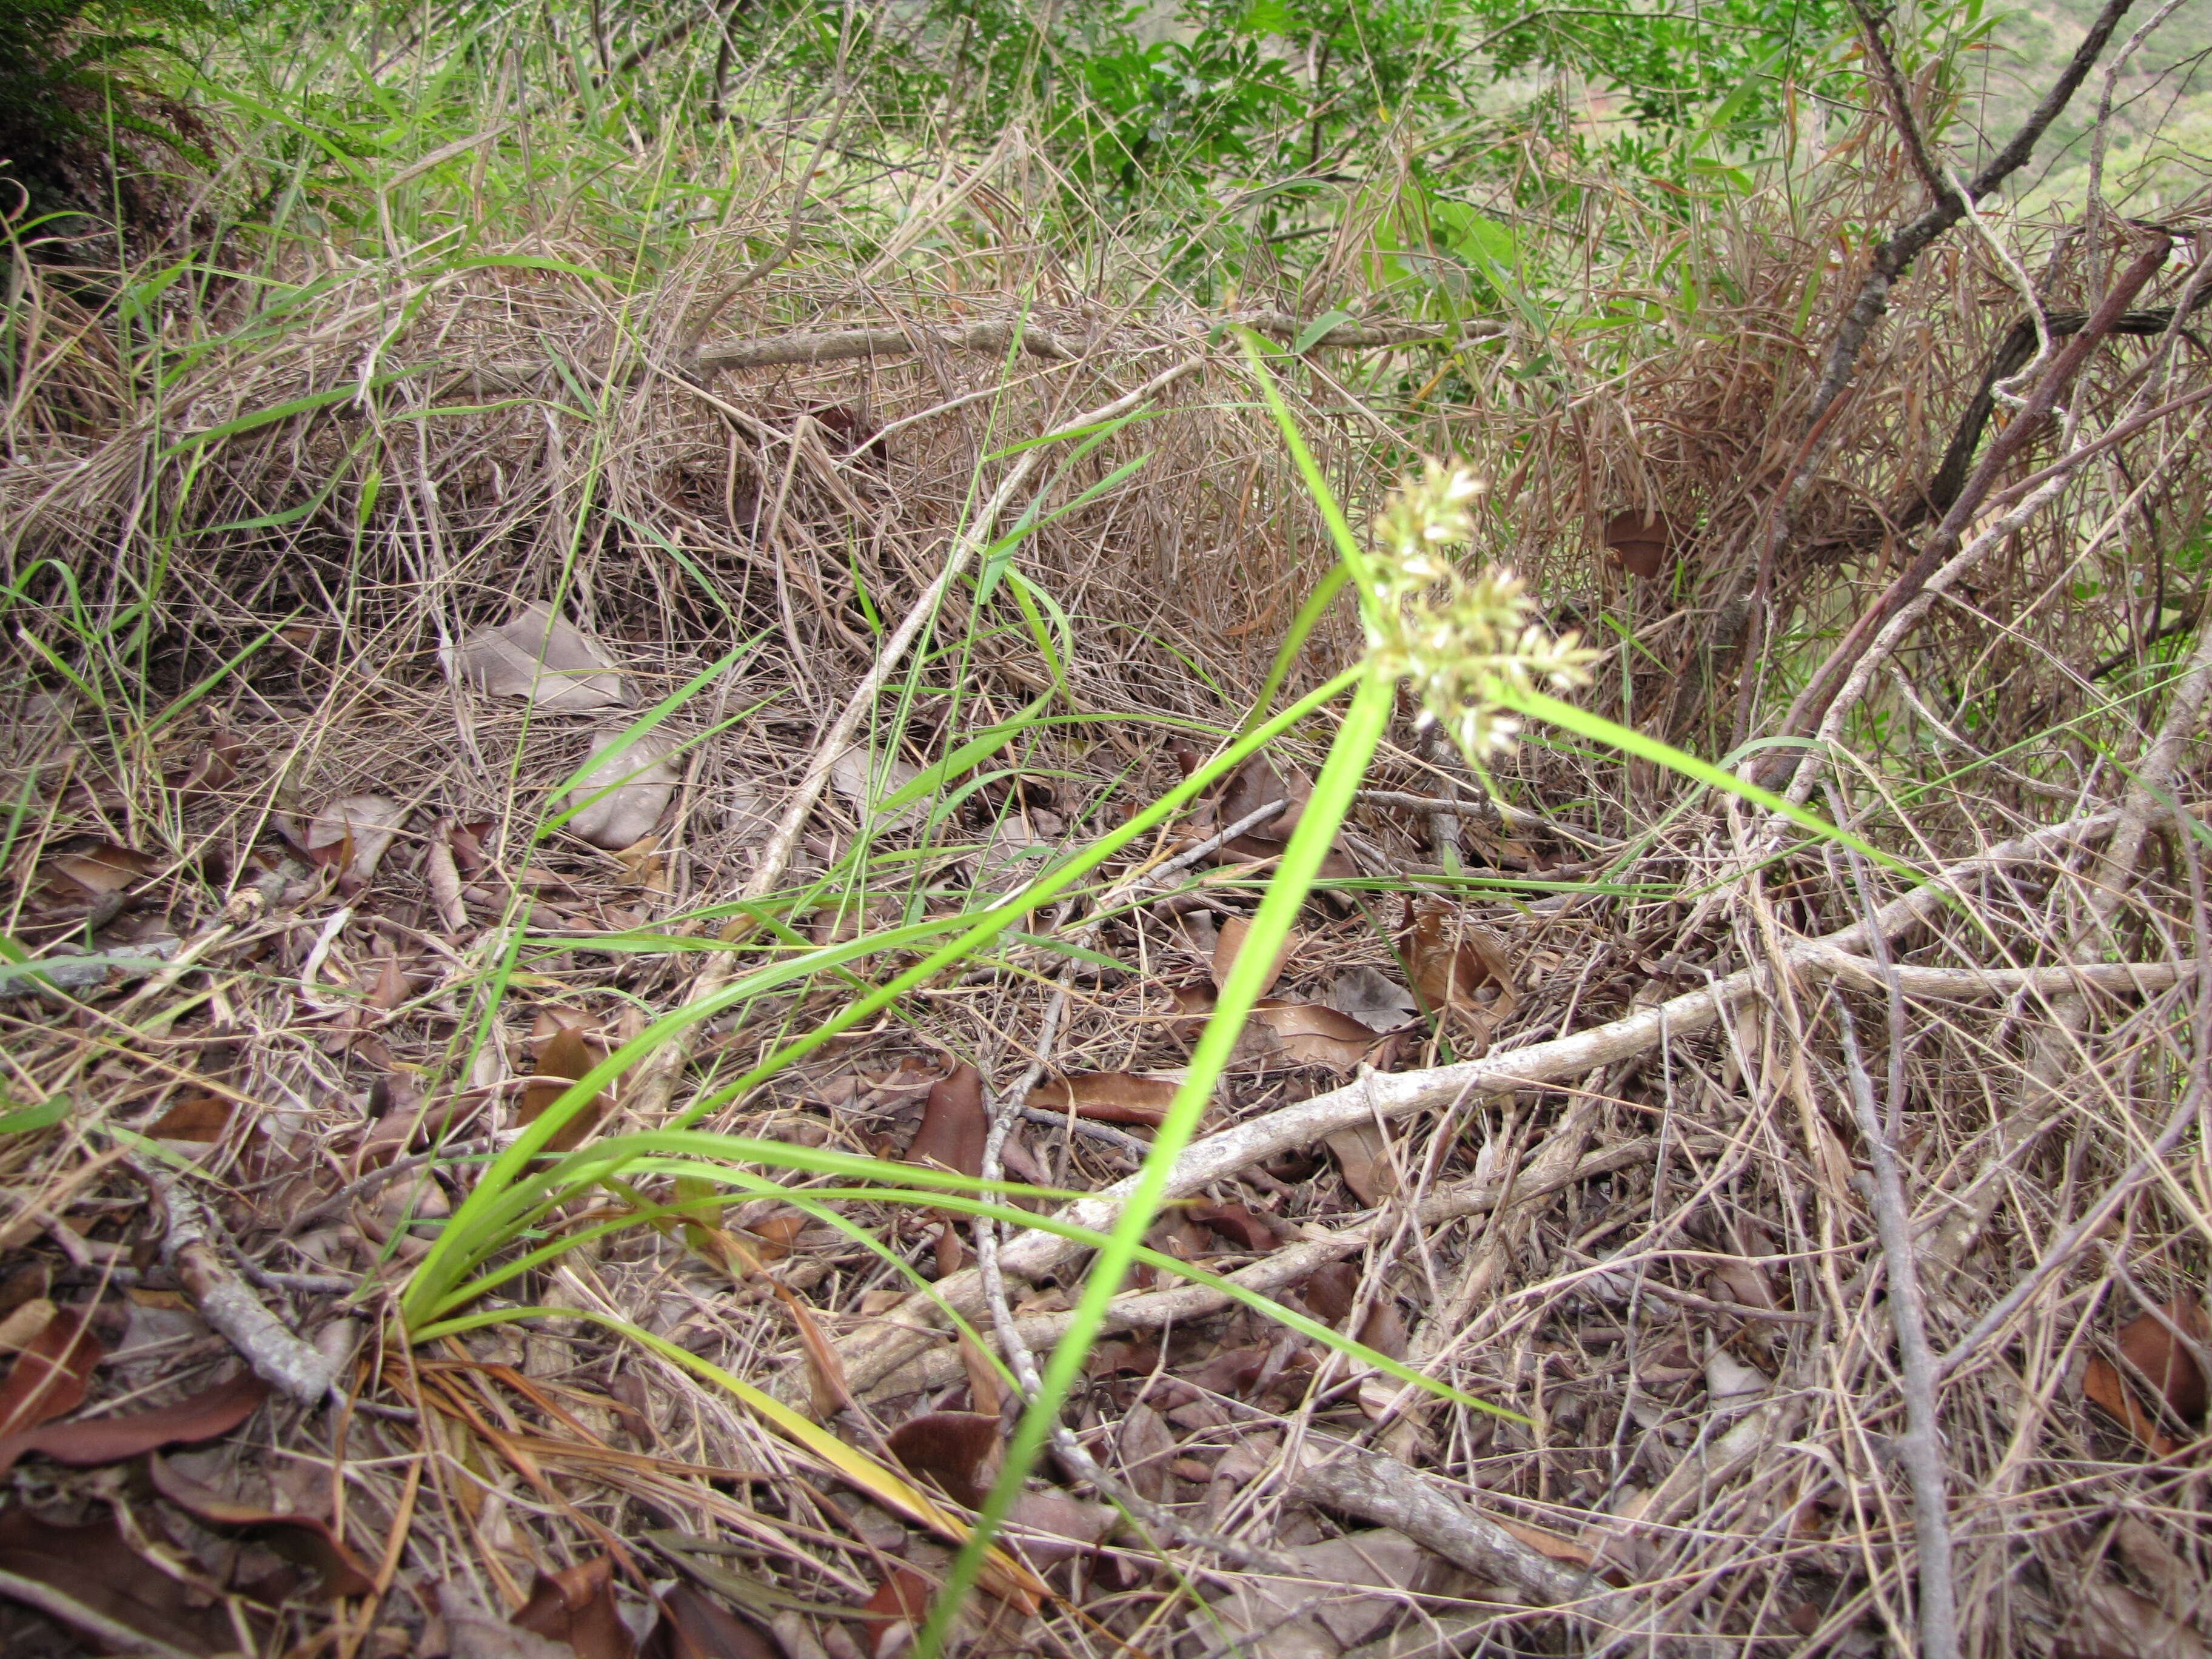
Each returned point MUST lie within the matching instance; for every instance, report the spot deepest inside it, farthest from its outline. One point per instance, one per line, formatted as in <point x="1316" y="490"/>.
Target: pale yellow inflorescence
<point x="1465" y="642"/>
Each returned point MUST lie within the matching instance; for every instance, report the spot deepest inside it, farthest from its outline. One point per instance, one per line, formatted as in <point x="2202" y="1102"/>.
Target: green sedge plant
<point x="1466" y="643"/>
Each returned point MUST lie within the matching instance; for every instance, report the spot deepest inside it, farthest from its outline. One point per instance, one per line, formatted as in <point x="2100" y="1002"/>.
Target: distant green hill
<point x="2160" y="154"/>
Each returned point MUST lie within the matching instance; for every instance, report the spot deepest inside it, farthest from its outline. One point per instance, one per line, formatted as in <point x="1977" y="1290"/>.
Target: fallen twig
<point x="1278" y="1270"/>
<point x="1921" y="1446"/>
<point x="276" y="1356"/>
<point x="1383" y="1490"/>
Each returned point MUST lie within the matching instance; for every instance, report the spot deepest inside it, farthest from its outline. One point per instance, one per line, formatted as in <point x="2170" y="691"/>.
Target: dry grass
<point x="216" y="637"/>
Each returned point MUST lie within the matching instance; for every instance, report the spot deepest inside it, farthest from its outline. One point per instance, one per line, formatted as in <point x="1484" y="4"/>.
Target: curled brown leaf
<point x="204" y="1416"/>
<point x="306" y="1540"/>
<point x="55" y="1356"/>
<point x="576" y="1605"/>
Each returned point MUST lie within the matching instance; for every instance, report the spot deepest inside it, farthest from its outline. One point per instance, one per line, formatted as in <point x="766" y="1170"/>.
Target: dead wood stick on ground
<point x="872" y="1352"/>
<point x="844" y="345"/>
<point x="1383" y="1490"/>
<point x="223" y="1299"/>
<point x="1513" y="818"/>
<point x="1921" y="1446"/>
<point x="1278" y="1270"/>
<point x="658" y="1074"/>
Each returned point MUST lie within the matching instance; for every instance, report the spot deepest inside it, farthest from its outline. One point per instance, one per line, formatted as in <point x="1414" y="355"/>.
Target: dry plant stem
<point x="874" y="1351"/>
<point x="697" y="330"/>
<point x="276" y="1356"/>
<point x="339" y="1201"/>
<point x="1921" y="1446"/>
<point x="1940" y="189"/>
<point x="658" y="1076"/>
<point x="1513" y="818"/>
<point x="1812" y="763"/>
<point x="844" y="345"/>
<point x="2020" y="507"/>
<point x="1813" y="702"/>
<point x="113" y="1636"/>
<point x="2049" y="1059"/>
<point x="1892" y="258"/>
<point x="1145" y="1310"/>
<point x="2092" y="1222"/>
<point x="1388" y="1492"/>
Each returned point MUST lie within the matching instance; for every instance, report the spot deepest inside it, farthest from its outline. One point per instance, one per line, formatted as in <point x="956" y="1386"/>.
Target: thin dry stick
<point x="1385" y="1490"/>
<point x="1921" y="1445"/>
<point x="113" y="1635"/>
<point x="2049" y="1063"/>
<point x="1827" y="680"/>
<point x="276" y="1356"/>
<point x="1145" y="1310"/>
<point x="658" y="1075"/>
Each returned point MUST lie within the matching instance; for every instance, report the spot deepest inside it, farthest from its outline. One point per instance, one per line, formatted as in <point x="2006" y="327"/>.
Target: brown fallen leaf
<point x="1384" y="1328"/>
<point x="1330" y="1289"/>
<point x="1291" y="1034"/>
<point x="1363" y="1158"/>
<point x="777" y="1233"/>
<point x="471" y="858"/>
<point x="540" y="656"/>
<point x="2149" y="1347"/>
<point x="900" y="1604"/>
<point x="694" y="1627"/>
<point x="353" y="835"/>
<point x="1268" y="1615"/>
<point x="576" y="1605"/>
<point x="1256" y="784"/>
<point x="442" y="870"/>
<point x="2109" y="1621"/>
<point x="624" y="788"/>
<point x="1229" y="944"/>
<point x="388" y="989"/>
<point x="96" y="1568"/>
<point x="953" y="1124"/>
<point x="565" y="1057"/>
<point x="199" y="1117"/>
<point x="1050" y="1525"/>
<point x="100" y="870"/>
<point x="306" y="1540"/>
<point x="960" y="1450"/>
<point x="1374" y="998"/>
<point x="1739" y="1279"/>
<point x="1452" y="962"/>
<point x="1107" y="1097"/>
<point x="1123" y="1358"/>
<point x="475" y="1634"/>
<point x="204" y="1416"/>
<point x="1146" y="1446"/>
<point x="2173" y="1581"/>
<point x="1641" y="540"/>
<point x="55" y="1356"/>
<point x="1237" y="1223"/>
